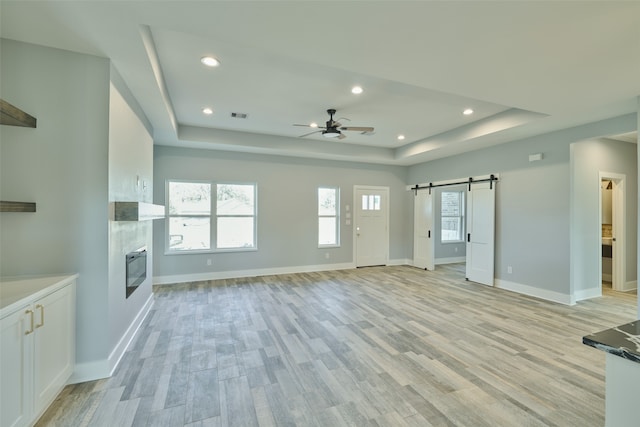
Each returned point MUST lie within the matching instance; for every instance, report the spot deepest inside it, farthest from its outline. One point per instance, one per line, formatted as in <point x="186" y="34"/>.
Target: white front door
<point x="371" y="225"/>
<point x="481" y="233"/>
<point x="423" y="238"/>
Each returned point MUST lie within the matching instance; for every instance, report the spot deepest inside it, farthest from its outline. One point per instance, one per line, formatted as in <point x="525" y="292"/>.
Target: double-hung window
<point x="207" y="216"/>
<point x="452" y="216"/>
<point x="328" y="216"/>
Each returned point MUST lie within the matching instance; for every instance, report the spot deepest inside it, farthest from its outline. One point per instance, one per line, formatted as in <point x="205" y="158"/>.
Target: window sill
<point x="210" y="251"/>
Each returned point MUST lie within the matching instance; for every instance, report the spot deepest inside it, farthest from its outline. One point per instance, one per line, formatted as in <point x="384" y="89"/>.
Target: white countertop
<point x="14" y="291"/>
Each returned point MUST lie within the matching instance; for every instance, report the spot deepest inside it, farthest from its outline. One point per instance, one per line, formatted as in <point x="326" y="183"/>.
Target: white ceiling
<point x="526" y="68"/>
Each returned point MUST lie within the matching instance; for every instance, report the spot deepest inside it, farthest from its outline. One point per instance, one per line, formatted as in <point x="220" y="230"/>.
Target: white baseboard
<point x="90" y="371"/>
<point x="402" y="261"/>
<point x="630" y="286"/>
<point x="534" y="292"/>
<point x="451" y="260"/>
<point x="215" y="275"/>
<point x="104" y="368"/>
<point x="584" y="294"/>
<point x="123" y="344"/>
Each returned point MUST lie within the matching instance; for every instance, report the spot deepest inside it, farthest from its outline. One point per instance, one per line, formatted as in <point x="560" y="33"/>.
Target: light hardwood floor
<point x="382" y="346"/>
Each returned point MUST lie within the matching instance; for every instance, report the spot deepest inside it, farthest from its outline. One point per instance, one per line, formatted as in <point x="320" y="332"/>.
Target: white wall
<point x="62" y="166"/>
<point x="287" y="210"/>
<point x="588" y="158"/>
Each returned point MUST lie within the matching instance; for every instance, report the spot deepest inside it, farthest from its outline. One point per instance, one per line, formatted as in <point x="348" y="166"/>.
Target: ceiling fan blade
<point x="310" y="133"/>
<point x="358" y="128"/>
<point x="342" y="136"/>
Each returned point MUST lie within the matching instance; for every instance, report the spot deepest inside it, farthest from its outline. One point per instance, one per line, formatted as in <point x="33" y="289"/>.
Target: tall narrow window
<point x="328" y="216"/>
<point x="452" y="216"/>
<point x="189" y="216"/>
<point x="235" y="211"/>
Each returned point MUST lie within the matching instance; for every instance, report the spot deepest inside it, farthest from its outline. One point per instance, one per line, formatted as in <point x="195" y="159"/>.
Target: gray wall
<point x="62" y="166"/>
<point x="287" y="211"/>
<point x="588" y="158"/>
<point x="81" y="155"/>
<point x="130" y="179"/>
<point x="532" y="201"/>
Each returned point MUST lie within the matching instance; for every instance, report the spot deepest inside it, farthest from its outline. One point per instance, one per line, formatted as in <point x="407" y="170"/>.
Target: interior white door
<point x="371" y="226"/>
<point x="423" y="238"/>
<point x="481" y="207"/>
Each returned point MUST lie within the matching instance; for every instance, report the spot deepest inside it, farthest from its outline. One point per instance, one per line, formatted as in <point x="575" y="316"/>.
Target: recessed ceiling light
<point x="208" y="111"/>
<point x="209" y="61"/>
<point x="313" y="125"/>
<point x="467" y="112"/>
<point x="400" y="137"/>
<point x="356" y="90"/>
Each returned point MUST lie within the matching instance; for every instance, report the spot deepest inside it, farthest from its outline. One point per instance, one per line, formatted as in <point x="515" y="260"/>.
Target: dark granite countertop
<point x="623" y="341"/>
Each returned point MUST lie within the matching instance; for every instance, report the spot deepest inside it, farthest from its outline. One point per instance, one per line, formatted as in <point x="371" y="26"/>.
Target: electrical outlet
<point x="509" y="270"/>
<point x="209" y="261"/>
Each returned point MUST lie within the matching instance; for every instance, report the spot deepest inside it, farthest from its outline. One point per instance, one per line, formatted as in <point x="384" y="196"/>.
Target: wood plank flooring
<point x="382" y="346"/>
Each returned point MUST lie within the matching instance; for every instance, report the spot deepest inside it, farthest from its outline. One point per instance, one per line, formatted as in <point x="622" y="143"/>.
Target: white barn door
<point x="423" y="238"/>
<point x="481" y="207"/>
<point x="371" y="226"/>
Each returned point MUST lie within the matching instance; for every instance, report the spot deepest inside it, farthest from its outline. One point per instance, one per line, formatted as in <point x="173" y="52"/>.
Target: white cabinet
<point x="15" y="354"/>
<point x="37" y="351"/>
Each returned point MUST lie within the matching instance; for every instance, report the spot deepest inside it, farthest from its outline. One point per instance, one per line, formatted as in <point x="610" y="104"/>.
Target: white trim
<point x="104" y="368"/>
<point x="584" y="294"/>
<point x="630" y="286"/>
<point x="89" y="371"/>
<point x="400" y="261"/>
<point x="450" y="260"/>
<point x="196" y="277"/>
<point x="534" y="292"/>
<point x="125" y="341"/>
<point x="619" y="202"/>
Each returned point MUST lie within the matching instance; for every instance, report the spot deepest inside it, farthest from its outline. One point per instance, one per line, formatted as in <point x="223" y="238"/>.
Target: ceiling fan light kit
<point x="331" y="133"/>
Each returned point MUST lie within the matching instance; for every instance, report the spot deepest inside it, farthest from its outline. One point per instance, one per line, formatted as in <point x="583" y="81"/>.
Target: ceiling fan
<point x="333" y="129"/>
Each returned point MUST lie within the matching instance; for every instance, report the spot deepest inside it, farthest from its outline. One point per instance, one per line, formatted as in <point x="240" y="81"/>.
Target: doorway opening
<point x="612" y="231"/>
<point x="461" y="220"/>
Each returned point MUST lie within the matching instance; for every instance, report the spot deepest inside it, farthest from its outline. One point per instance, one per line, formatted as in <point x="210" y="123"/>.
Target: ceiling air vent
<point x="239" y="115"/>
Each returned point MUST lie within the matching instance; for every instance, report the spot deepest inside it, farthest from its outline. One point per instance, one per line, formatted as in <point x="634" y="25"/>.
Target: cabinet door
<point x="15" y="360"/>
<point x="54" y="338"/>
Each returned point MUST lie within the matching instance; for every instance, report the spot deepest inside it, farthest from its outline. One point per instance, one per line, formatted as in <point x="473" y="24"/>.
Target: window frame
<point x="336" y="216"/>
<point x="461" y="216"/>
<point x="254" y="216"/>
<point x="213" y="218"/>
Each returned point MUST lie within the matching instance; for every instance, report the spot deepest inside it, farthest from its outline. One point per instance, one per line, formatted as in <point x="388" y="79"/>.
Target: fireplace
<point x="136" y="271"/>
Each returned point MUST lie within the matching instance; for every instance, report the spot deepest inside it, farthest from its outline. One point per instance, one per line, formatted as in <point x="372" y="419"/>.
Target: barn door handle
<point x="429" y="234"/>
<point x="468" y="237"/>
